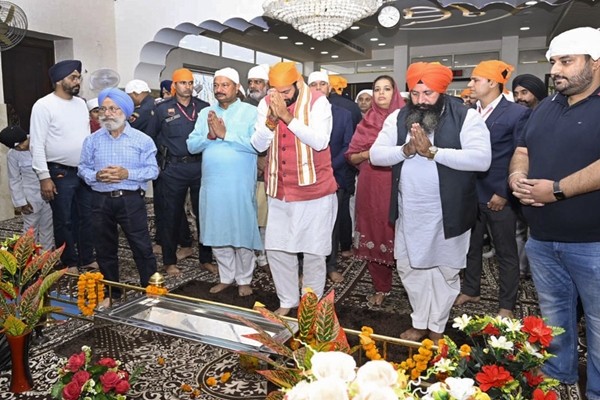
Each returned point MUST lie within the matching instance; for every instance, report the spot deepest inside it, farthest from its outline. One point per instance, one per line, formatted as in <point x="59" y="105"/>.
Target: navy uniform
<point x="142" y="114"/>
<point x="170" y="127"/>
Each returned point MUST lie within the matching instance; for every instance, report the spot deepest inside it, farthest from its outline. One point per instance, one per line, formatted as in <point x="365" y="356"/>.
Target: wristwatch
<point x="432" y="152"/>
<point x="558" y="194"/>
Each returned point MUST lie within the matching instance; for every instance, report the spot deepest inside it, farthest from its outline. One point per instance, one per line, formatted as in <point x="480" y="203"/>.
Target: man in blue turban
<point x="117" y="162"/>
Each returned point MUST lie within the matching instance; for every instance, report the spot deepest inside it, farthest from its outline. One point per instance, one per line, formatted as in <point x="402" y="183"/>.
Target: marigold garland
<point x="368" y="344"/>
<point x="156" y="290"/>
<point x="90" y="292"/>
<point x="418" y="362"/>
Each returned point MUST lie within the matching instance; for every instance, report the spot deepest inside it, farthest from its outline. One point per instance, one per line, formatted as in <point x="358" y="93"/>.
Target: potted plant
<point x="26" y="274"/>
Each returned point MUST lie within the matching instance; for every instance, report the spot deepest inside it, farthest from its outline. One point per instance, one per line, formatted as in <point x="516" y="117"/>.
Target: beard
<point x="71" y="90"/>
<point x="289" y="102"/>
<point x="575" y="84"/>
<point x="112" y="123"/>
<point x="426" y="115"/>
<point x="257" y="94"/>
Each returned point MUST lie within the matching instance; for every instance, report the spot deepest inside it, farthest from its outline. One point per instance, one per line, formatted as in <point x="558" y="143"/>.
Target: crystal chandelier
<point x="320" y="19"/>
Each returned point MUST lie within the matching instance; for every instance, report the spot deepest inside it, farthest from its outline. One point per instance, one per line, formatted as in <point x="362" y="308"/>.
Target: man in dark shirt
<point x="139" y="92"/>
<point x="555" y="173"/>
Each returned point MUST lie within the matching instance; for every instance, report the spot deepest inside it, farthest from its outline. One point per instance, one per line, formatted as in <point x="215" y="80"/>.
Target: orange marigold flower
<point x="367" y="330"/>
<point x="225" y="377"/>
<point x="161" y="361"/>
<point x="211" y="381"/>
<point x="186" y="388"/>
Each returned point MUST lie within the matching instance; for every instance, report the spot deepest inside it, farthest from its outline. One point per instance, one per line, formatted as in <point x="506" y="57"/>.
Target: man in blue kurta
<point x="227" y="194"/>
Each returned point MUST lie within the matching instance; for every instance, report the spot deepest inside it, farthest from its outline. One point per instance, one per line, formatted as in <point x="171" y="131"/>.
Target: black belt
<point x="184" y="159"/>
<point x="121" y="193"/>
<point x="57" y="165"/>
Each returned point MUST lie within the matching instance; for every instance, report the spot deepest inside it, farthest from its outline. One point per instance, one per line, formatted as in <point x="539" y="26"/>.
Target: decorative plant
<point x="80" y="379"/>
<point x="26" y="274"/>
<point x="318" y="331"/>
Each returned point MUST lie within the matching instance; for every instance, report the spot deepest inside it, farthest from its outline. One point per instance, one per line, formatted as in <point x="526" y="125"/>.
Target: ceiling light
<point x="298" y="43"/>
<point x="320" y="19"/>
<point x="369" y="65"/>
<point x="265" y="30"/>
<point x="283" y="37"/>
<point x="324" y="52"/>
<point x="444" y="59"/>
<point x="531" y="3"/>
<point x="334" y="56"/>
<point x="524" y="28"/>
<point x="312" y="48"/>
<point x="354" y="27"/>
<point x="381" y="44"/>
<point x="374" y="39"/>
<point x="383" y="67"/>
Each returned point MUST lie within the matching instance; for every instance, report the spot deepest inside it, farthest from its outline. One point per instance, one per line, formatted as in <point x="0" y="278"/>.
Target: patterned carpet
<point x="192" y="363"/>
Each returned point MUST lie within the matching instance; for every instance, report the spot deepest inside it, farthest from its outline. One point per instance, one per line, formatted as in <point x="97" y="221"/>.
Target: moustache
<point x="219" y="94"/>
<point x="253" y="91"/>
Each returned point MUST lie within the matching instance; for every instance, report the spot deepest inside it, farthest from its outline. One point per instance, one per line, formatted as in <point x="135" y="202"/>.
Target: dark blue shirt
<point x="142" y="114"/>
<point x="341" y="135"/>
<point x="348" y="105"/>
<point x="561" y="140"/>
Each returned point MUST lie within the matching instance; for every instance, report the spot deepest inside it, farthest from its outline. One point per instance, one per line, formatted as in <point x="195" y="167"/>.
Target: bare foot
<point x="435" y="336"/>
<point x="244" y="290"/>
<point x="73" y="270"/>
<point x="347" y="253"/>
<point x="377" y="299"/>
<point x="413" y="334"/>
<point x="283" y="311"/>
<point x="220" y="287"/>
<point x="91" y="266"/>
<point x="505" y="313"/>
<point x="211" y="268"/>
<point x="104" y="304"/>
<point x="184" y="253"/>
<point x="157" y="249"/>
<point x="463" y="298"/>
<point x="172" y="270"/>
<point x="336" y="277"/>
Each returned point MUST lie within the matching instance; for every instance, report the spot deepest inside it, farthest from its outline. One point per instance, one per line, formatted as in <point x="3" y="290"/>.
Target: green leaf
<point x="33" y="267"/>
<point x="51" y="280"/>
<point x="14" y="326"/>
<point x="262" y="357"/>
<point x="326" y="325"/>
<point x="8" y="288"/>
<point x="8" y="262"/>
<point x="35" y="319"/>
<point x="24" y="249"/>
<point x="282" y="378"/>
<point x="306" y="313"/>
<point x="276" y="395"/>
<point x="268" y="341"/>
<point x="29" y="301"/>
<point x="270" y="315"/>
<point x="51" y="261"/>
<point x="57" y="389"/>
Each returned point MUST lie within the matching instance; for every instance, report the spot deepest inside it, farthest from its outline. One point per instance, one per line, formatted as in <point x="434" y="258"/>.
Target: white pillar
<point x="401" y="63"/>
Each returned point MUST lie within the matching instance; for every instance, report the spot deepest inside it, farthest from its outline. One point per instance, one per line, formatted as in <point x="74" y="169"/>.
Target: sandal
<point x="371" y="303"/>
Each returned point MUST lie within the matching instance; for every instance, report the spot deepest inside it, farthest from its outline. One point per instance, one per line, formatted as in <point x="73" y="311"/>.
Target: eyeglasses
<point x="112" y="109"/>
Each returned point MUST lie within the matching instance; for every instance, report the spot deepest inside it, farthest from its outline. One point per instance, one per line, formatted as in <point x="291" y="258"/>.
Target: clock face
<point x="388" y="16"/>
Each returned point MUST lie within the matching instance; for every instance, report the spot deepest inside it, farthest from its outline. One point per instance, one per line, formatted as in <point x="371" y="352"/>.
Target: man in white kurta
<point x="227" y="194"/>
<point x="432" y="227"/>
<point x="295" y="125"/>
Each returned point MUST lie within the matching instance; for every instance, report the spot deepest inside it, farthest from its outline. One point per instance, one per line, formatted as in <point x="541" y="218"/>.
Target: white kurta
<point x="419" y="228"/>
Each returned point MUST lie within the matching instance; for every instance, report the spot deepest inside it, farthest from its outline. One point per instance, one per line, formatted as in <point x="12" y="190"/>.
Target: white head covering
<point x="259" y="72"/>
<point x="576" y="41"/>
<point x="242" y="90"/>
<point x="367" y="91"/>
<point x="136" y="86"/>
<point x="405" y="95"/>
<point x="91" y="104"/>
<point x="318" y="76"/>
<point x="229" y="73"/>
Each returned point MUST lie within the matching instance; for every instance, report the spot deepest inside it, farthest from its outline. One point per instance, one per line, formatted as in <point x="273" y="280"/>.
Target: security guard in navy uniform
<point x="139" y="91"/>
<point x="174" y="119"/>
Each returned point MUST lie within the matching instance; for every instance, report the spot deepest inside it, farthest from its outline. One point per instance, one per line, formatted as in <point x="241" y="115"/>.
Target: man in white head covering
<point x="363" y="99"/>
<point x="258" y="84"/>
<point x="556" y="165"/>
<point x="139" y="91"/>
<point x="227" y="206"/>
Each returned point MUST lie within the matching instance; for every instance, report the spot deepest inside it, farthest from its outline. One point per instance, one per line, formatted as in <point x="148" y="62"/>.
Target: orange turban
<point x="283" y="74"/>
<point x="338" y="83"/>
<point x="494" y="70"/>
<point x="181" y="75"/>
<point x="434" y="75"/>
<point x="465" y="92"/>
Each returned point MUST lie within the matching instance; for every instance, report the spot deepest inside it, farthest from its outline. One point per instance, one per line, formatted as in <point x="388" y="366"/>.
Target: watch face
<point x="388" y="16"/>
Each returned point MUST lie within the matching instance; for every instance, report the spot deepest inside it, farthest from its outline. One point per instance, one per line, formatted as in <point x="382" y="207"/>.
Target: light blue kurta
<point x="227" y="193"/>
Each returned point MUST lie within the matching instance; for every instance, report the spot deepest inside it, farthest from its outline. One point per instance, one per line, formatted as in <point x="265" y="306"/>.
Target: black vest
<point x="457" y="188"/>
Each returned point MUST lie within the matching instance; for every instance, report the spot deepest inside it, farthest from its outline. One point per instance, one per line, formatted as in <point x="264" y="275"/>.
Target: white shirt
<point x="58" y="129"/>
<point x="419" y="228"/>
<point x="24" y="184"/>
<point x="485" y="112"/>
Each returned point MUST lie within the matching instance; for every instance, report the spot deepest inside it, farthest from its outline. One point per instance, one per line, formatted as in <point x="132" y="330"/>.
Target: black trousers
<point x="184" y="235"/>
<point x="128" y="212"/>
<point x="336" y="235"/>
<point x="503" y="227"/>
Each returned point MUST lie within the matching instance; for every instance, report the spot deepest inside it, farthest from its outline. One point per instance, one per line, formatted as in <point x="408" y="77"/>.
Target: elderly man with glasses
<point x="117" y="162"/>
<point x="59" y="125"/>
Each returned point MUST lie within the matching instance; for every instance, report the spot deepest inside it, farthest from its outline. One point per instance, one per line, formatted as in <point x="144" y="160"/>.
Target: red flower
<point x="71" y="391"/>
<point x="538" y="394"/>
<point x="109" y="381"/>
<point x="76" y="362"/>
<point x="533" y="380"/>
<point x="122" y="387"/>
<point x="538" y="331"/>
<point x="81" y="377"/>
<point x="491" y="330"/>
<point x="124" y="375"/>
<point x="107" y="362"/>
<point x="492" y="376"/>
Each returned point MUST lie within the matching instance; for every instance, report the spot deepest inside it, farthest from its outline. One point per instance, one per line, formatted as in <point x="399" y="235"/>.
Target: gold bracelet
<point x="515" y="173"/>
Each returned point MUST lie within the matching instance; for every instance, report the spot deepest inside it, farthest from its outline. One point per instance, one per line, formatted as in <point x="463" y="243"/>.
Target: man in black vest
<point x="435" y="147"/>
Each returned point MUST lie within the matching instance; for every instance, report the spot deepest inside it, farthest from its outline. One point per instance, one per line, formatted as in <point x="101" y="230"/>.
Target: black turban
<point x="531" y="83"/>
<point x="12" y="135"/>
<point x="61" y="70"/>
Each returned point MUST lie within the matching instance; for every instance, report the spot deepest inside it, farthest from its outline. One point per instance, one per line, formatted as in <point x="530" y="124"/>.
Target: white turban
<point x="91" y="104"/>
<point x="136" y="86"/>
<point x="576" y="41"/>
<point x="367" y="91"/>
<point x="318" y="76"/>
<point x="229" y="73"/>
<point x="259" y="72"/>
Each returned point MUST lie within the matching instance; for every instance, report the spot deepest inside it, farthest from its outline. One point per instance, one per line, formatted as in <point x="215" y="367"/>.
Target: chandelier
<point x="320" y="19"/>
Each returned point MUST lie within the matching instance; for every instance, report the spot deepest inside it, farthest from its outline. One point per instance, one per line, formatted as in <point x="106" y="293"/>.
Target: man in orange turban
<point x="504" y="119"/>
<point x="294" y="125"/>
<point x="445" y="145"/>
<point x="338" y="83"/>
<point x="465" y="95"/>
